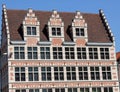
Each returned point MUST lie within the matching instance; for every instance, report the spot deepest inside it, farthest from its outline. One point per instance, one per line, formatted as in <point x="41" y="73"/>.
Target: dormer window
<point x="56" y="31"/>
<point x="79" y="32"/>
<point x="56" y="27"/>
<point x="31" y="26"/>
<point x="79" y="28"/>
<point x="31" y="30"/>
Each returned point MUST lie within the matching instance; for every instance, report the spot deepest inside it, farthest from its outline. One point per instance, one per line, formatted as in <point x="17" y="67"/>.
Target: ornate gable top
<point x="78" y="20"/>
<point x="31" y="19"/>
<point x="55" y="19"/>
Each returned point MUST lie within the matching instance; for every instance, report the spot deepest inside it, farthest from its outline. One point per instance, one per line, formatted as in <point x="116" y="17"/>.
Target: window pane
<point x="33" y="30"/>
<point x="28" y="30"/>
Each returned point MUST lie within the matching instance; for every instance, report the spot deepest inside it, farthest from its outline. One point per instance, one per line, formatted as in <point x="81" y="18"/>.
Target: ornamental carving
<point x="55" y="19"/>
<point x="78" y="20"/>
<point x="31" y="19"/>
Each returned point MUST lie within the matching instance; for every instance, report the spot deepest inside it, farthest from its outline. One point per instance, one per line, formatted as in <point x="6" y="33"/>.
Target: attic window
<point x="31" y="30"/>
<point x="56" y="31"/>
<point x="79" y="32"/>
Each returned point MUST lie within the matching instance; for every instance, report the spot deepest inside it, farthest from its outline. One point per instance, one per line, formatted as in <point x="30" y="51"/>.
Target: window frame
<point x="20" y="74"/>
<point x="57" y="52"/>
<point x="83" y="72"/>
<point x="56" y="31"/>
<point x="69" y="53"/>
<point x="106" y="73"/>
<point x="85" y="89"/>
<point x="46" y="74"/>
<point x="33" y="74"/>
<point x="95" y="72"/>
<point x="45" y="53"/>
<point x="59" y="74"/>
<point x="104" y="53"/>
<point x="31" y="32"/>
<point x="79" y="32"/>
<point x="81" y="53"/>
<point x="19" y="53"/>
<point x="32" y="53"/>
<point x="93" y="53"/>
<point x="70" y="72"/>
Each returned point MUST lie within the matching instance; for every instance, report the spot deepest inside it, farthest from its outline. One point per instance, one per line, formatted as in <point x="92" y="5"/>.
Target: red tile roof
<point x="96" y="29"/>
<point x="118" y="55"/>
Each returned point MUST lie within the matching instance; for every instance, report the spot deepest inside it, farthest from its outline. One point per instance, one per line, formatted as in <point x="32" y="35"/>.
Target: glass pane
<point x="33" y="30"/>
<point x="30" y="69"/>
<point x="16" y="69"/>
<point x="30" y="77"/>
<point x="28" y="30"/>
<point x="44" y="90"/>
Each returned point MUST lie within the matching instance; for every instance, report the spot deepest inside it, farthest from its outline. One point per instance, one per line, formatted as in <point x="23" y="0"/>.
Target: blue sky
<point x="111" y="9"/>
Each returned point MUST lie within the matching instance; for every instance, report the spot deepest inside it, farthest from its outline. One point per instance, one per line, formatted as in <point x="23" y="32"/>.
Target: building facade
<point x="54" y="51"/>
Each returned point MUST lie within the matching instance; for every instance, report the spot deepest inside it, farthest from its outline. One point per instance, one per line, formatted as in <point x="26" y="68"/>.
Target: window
<point x="31" y="30"/>
<point x="83" y="73"/>
<point x="46" y="73"/>
<point x="69" y="53"/>
<point x="57" y="53"/>
<point x="45" y="52"/>
<point x="93" y="53"/>
<point x="56" y="31"/>
<point x="32" y="53"/>
<point x="19" y="53"/>
<point x="47" y="90"/>
<point x="79" y="32"/>
<point x="104" y="53"/>
<point x="20" y="90"/>
<point x="108" y="89"/>
<point x="33" y="73"/>
<point x="106" y="73"/>
<point x="96" y="89"/>
<point x="84" y="90"/>
<point x="95" y="75"/>
<point x="59" y="89"/>
<point x="19" y="73"/>
<point x="58" y="73"/>
<point x="71" y="73"/>
<point x="81" y="53"/>
<point x="72" y="90"/>
<point x="34" y="90"/>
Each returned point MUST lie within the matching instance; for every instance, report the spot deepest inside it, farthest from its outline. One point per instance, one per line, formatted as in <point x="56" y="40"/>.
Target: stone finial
<point x="30" y="10"/>
<point x="55" y="14"/>
<point x="4" y="6"/>
<point x="78" y="15"/>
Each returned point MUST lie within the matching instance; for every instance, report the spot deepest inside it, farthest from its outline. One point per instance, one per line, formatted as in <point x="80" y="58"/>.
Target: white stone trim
<point x="6" y="22"/>
<point x="107" y="25"/>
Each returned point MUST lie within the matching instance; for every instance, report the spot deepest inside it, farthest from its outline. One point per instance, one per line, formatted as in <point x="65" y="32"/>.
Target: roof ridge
<point x="70" y="12"/>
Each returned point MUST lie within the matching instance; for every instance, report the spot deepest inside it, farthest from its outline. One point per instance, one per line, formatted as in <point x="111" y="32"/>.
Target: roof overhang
<point x="18" y="42"/>
<point x="44" y="43"/>
<point x="99" y="44"/>
<point x="69" y="43"/>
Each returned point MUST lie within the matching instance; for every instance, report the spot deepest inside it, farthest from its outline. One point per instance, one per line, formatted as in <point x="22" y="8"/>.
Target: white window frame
<point x="33" y="72"/>
<point x="58" y="73"/>
<point x="31" y="31"/>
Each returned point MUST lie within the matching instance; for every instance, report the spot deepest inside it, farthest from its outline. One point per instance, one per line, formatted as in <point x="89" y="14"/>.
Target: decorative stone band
<point x="63" y="84"/>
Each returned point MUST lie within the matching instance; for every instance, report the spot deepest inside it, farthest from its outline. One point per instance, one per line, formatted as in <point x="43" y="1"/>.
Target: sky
<point x="111" y="9"/>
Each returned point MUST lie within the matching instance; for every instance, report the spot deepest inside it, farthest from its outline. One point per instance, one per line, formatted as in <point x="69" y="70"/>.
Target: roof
<point x="97" y="32"/>
<point x="118" y="55"/>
